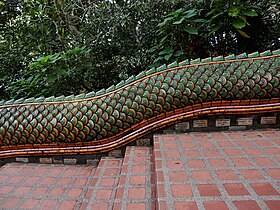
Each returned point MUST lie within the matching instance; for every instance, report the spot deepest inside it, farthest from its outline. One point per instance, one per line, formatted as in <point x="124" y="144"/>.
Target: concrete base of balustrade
<point x="67" y="160"/>
<point x="78" y="159"/>
<point x="226" y="122"/>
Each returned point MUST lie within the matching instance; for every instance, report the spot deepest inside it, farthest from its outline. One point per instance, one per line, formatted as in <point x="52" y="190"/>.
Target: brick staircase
<point x="123" y="184"/>
<point x="217" y="170"/>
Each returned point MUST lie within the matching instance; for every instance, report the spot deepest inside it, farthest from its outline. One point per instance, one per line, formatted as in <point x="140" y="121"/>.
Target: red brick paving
<point x="214" y="170"/>
<point x="103" y="186"/>
<point x="136" y="188"/>
<point x="43" y="186"/>
<point x="218" y="170"/>
<point x="215" y="205"/>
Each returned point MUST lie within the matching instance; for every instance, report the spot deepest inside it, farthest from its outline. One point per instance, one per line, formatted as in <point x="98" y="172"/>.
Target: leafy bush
<point x="218" y="27"/>
<point x="176" y="32"/>
<point x="53" y="73"/>
<point x="118" y="33"/>
<point x="225" y="14"/>
<point x="39" y="39"/>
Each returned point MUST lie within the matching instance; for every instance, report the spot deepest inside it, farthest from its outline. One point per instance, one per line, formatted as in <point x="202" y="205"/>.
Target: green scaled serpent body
<point x="102" y="118"/>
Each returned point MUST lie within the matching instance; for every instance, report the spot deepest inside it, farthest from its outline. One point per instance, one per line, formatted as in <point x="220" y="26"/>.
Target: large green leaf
<point x="177" y="12"/>
<point x="153" y="49"/>
<point x="191" y="30"/>
<point x="250" y="13"/>
<point x="179" y="21"/>
<point x="166" y="20"/>
<point x="61" y="72"/>
<point x="166" y="51"/>
<point x="238" y="24"/>
<point x="167" y="57"/>
<point x="51" y="78"/>
<point x="178" y="53"/>
<point x="190" y="13"/>
<point x="199" y="20"/>
<point x="234" y="11"/>
<point x="158" y="59"/>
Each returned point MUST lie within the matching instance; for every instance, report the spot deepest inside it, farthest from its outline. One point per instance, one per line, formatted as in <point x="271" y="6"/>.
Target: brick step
<point x="43" y="186"/>
<point x="217" y="170"/>
<point x="102" y="190"/>
<point x="136" y="184"/>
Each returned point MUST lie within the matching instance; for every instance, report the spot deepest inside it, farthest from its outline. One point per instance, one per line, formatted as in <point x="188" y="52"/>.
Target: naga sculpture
<point x="102" y="121"/>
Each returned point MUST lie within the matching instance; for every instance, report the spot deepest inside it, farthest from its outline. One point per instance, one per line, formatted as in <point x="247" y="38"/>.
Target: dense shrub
<point x="73" y="46"/>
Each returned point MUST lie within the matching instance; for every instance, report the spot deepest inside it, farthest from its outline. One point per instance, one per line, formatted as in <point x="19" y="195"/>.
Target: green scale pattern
<point x="97" y="116"/>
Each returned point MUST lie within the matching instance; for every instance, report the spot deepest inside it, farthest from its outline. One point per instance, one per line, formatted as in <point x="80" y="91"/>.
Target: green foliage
<point x="227" y="13"/>
<point x="240" y="26"/>
<point x="119" y="34"/>
<point x="51" y="73"/>
<point x="39" y="39"/>
<point x="29" y="29"/>
<point x="267" y="34"/>
<point x="218" y="27"/>
<point x="175" y="32"/>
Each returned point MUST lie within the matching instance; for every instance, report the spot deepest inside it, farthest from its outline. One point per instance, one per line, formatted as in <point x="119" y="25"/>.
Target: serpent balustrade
<point x="108" y="119"/>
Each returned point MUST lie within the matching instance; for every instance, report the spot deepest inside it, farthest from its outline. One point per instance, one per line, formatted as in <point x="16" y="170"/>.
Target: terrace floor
<point x="201" y="170"/>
